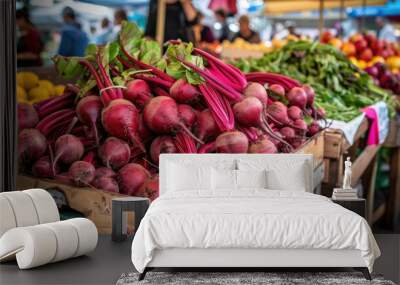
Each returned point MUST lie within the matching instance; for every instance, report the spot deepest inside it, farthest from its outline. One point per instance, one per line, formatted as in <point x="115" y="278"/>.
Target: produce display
<point x="32" y="89"/>
<point x="380" y="59"/>
<point x="130" y="102"/>
<point x="241" y="44"/>
<point x="341" y="87"/>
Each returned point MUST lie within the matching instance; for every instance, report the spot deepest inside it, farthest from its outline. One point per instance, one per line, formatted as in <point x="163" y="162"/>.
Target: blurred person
<point x="202" y="33"/>
<point x="291" y="29"/>
<point x="119" y="17"/>
<point x="245" y="32"/>
<point x="106" y="33"/>
<point x="385" y="30"/>
<point x="73" y="39"/>
<point x="180" y="16"/>
<point x="29" y="43"/>
<point x="221" y="17"/>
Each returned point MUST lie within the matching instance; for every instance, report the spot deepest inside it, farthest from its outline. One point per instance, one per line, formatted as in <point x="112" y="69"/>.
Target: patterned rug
<point x="244" y="278"/>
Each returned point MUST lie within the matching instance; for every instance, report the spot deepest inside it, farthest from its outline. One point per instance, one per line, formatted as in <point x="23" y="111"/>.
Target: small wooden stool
<point x="120" y="206"/>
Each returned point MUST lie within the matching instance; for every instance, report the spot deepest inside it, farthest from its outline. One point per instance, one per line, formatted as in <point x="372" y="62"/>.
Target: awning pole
<point x="160" y="22"/>
<point x="321" y="17"/>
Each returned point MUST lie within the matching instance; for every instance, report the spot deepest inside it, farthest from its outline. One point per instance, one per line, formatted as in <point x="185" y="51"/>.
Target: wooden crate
<point x="92" y="203"/>
<point x="393" y="138"/>
<point x="314" y="146"/>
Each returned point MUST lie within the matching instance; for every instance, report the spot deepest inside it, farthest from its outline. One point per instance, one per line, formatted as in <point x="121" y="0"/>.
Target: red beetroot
<point x="313" y="128"/>
<point x="43" y="168"/>
<point x="206" y="126"/>
<point x="301" y="126"/>
<point x="297" y="97"/>
<point x="114" y="153"/>
<point x="187" y="115"/>
<point x="277" y="89"/>
<point x="183" y="92"/>
<point x="263" y="145"/>
<point x="131" y="177"/>
<point x="310" y="94"/>
<point x="232" y="142"/>
<point x="255" y="89"/>
<point x="106" y="183"/>
<point x="150" y="189"/>
<point x="120" y="119"/>
<point x="31" y="145"/>
<point x="68" y="148"/>
<point x="162" y="144"/>
<point x="104" y="172"/>
<point x="138" y="92"/>
<point x="277" y="111"/>
<point x="82" y="173"/>
<point x="161" y="116"/>
<point x="288" y="133"/>
<point x="88" y="110"/>
<point x="249" y="113"/>
<point x="27" y="116"/>
<point x="294" y="113"/>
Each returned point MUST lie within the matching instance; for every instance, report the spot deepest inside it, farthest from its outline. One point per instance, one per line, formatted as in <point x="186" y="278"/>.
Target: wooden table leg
<point x="392" y="218"/>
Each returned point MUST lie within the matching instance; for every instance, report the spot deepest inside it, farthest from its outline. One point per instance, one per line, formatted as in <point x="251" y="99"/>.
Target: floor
<point x="110" y="260"/>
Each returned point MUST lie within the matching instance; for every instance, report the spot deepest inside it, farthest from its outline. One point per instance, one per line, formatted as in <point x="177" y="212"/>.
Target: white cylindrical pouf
<point x="35" y="245"/>
<point x="87" y="234"/>
<point x="45" y="205"/>
<point x="23" y="208"/>
<point x="67" y="239"/>
<point x="7" y="218"/>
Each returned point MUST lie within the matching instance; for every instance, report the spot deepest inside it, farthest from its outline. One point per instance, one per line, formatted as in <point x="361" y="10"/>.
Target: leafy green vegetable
<point x="178" y="70"/>
<point x="341" y="88"/>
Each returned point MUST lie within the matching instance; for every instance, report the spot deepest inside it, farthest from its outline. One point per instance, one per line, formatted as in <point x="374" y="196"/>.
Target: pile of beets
<point x="110" y="137"/>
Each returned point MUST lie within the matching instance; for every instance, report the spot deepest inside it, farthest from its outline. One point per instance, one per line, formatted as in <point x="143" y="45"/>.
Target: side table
<point x="120" y="206"/>
<point x="358" y="205"/>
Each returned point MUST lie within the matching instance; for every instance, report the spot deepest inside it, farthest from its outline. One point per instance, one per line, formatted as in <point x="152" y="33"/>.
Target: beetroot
<point x="138" y="92"/>
<point x="263" y="145"/>
<point x="277" y="111"/>
<point x="301" y="126"/>
<point x="43" y="168"/>
<point x="88" y="110"/>
<point x="297" y="97"/>
<point x="295" y="113"/>
<point x="143" y="132"/>
<point x="288" y="133"/>
<point x="232" y="142"/>
<point x="310" y="94"/>
<point x="187" y="115"/>
<point x="27" y="116"/>
<point x="162" y="144"/>
<point x="68" y="148"/>
<point x="161" y="116"/>
<point x="277" y="89"/>
<point x="206" y="126"/>
<point x="131" y="177"/>
<point x="81" y="172"/>
<point x="150" y="188"/>
<point x="31" y="145"/>
<point x="106" y="183"/>
<point x="249" y="113"/>
<point x="114" y="153"/>
<point x="183" y="92"/>
<point x="104" y="172"/>
<point x="313" y="128"/>
<point x="255" y="89"/>
<point x="120" y="119"/>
